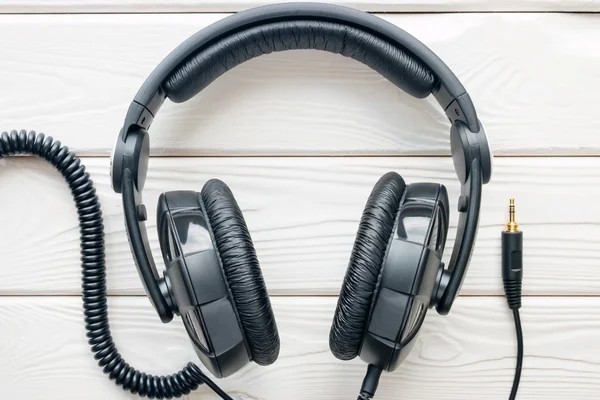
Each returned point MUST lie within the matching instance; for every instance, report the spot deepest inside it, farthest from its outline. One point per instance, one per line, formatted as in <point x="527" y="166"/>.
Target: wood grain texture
<point x="155" y="6"/>
<point x="466" y="355"/>
<point x="303" y="214"/>
<point x="73" y="76"/>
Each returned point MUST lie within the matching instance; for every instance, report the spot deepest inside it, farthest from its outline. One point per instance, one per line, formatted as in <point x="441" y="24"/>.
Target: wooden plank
<point x="155" y="6"/>
<point x="469" y="354"/>
<point x="73" y="76"/>
<point x="303" y="214"/>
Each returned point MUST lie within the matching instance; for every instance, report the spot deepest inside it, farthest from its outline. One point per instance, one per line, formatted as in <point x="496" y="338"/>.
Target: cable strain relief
<point x="512" y="289"/>
<point x="370" y="383"/>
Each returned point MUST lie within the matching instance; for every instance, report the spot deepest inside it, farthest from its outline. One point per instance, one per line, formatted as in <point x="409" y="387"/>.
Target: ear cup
<point x="360" y="283"/>
<point x="242" y="271"/>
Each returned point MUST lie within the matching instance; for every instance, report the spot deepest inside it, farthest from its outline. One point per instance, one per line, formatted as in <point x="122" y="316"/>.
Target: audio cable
<point x="93" y="274"/>
<point x="512" y="277"/>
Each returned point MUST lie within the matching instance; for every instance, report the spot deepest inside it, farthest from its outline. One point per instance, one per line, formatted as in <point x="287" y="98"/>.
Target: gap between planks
<point x="324" y="296"/>
<point x="317" y="155"/>
<point x="390" y="13"/>
<point x="211" y="7"/>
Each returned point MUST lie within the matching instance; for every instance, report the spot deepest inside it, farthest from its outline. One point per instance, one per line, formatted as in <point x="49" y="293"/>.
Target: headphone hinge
<point x="442" y="280"/>
<point x="164" y="285"/>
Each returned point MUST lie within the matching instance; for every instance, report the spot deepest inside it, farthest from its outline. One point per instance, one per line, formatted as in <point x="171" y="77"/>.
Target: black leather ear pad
<point x="360" y="283"/>
<point x="391" y="61"/>
<point x="242" y="271"/>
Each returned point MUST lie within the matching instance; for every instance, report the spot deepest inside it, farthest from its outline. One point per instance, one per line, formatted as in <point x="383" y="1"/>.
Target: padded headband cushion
<point x="364" y="269"/>
<point x="242" y="271"/>
<point x="392" y="62"/>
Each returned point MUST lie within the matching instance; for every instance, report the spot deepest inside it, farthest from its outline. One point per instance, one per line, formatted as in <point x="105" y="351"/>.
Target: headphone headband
<point x="449" y="92"/>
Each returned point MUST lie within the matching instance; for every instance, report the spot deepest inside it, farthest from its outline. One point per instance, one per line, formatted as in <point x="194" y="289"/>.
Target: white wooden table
<point x="269" y="129"/>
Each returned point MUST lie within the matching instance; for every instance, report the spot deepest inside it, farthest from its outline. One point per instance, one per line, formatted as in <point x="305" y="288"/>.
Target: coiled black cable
<point x="93" y="274"/>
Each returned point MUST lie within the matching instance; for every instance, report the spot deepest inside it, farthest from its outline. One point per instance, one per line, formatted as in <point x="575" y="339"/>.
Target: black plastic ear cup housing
<point x="213" y="279"/>
<point x="361" y="280"/>
<point x="393" y="272"/>
<point x="195" y="284"/>
<point x="409" y="276"/>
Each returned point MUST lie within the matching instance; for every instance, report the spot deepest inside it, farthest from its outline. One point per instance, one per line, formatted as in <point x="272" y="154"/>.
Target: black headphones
<point x="213" y="279"/>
